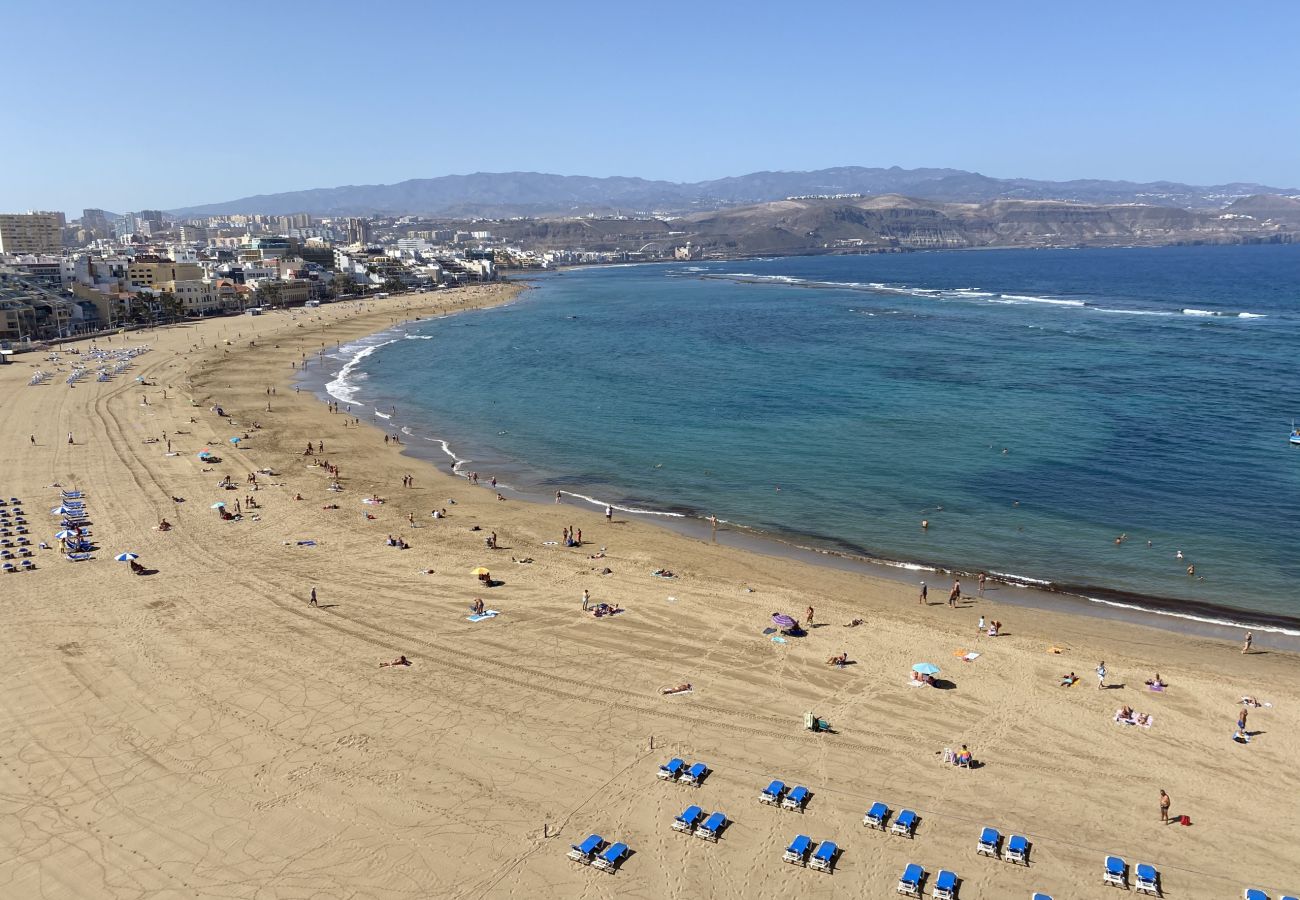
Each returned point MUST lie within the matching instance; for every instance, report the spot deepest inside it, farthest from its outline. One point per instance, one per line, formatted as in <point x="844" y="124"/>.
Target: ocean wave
<point x="1208" y="620"/>
<point x="383" y="415"/>
<point x="343" y="386"/>
<point x="1223" y="314"/>
<point x="1026" y="298"/>
<point x="627" y="509"/>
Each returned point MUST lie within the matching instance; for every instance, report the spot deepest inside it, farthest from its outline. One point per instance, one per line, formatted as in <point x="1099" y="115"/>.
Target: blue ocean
<point x="1031" y="405"/>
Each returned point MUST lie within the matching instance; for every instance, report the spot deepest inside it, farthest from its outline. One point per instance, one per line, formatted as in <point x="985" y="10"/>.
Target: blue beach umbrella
<point x="63" y="511"/>
<point x="235" y="440"/>
<point x="924" y="668"/>
<point x="64" y="535"/>
<point x="218" y="505"/>
<point x="126" y="557"/>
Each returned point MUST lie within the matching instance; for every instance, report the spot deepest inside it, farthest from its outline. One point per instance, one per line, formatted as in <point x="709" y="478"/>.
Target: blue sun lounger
<point x="1116" y="872"/>
<point x="1039" y="896"/>
<point x="988" y="844"/>
<point x="1146" y="880"/>
<point x="795" y="799"/>
<point x="689" y="818"/>
<point x="1017" y="849"/>
<point x="609" y="860"/>
<point x="824" y="858"/>
<point x="910" y="881"/>
<point x="694" y="774"/>
<point x="945" y="886"/>
<point x="905" y="824"/>
<point x="797" y="852"/>
<point x="671" y="769"/>
<point x="1254" y="894"/>
<point x="582" y="852"/>
<point x="77" y="557"/>
<point x="712" y="826"/>
<point x="772" y="793"/>
<point x="876" y="816"/>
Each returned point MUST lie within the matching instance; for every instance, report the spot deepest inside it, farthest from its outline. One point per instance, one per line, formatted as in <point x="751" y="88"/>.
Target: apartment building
<point x="35" y="233"/>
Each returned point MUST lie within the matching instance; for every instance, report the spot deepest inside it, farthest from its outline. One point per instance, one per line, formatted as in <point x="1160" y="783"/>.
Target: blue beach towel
<point x="489" y="614"/>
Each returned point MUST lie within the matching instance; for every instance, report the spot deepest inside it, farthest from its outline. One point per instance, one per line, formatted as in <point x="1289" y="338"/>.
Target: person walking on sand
<point x="557" y="496"/>
<point x="923" y="599"/>
<point x="809" y="616"/>
<point x="1250" y="639"/>
<point x="312" y="601"/>
<point x="69" y="437"/>
<point x="586" y="599"/>
<point x="1101" y="675"/>
<point x="981" y="584"/>
<point x="980" y="627"/>
<point x="1164" y="807"/>
<point x="609" y="510"/>
<point x="955" y="594"/>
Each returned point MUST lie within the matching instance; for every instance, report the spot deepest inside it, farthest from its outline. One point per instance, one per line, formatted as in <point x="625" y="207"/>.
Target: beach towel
<point x="306" y="543"/>
<point x="777" y="639"/>
<point x="1055" y="649"/>
<point x="966" y="656"/>
<point x="487" y="614"/>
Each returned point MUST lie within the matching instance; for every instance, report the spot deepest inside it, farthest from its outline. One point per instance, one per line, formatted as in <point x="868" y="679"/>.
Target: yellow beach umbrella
<point x="479" y="571"/>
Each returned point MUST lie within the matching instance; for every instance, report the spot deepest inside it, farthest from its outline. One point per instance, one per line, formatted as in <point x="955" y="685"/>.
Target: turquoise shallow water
<point x="1031" y="405"/>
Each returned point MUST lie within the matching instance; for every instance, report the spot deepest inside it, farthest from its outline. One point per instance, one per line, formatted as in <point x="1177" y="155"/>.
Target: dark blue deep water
<point x="1032" y="405"/>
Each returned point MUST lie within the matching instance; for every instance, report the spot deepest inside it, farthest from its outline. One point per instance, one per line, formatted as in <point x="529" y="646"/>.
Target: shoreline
<point x="1194" y="618"/>
<point x="203" y="729"/>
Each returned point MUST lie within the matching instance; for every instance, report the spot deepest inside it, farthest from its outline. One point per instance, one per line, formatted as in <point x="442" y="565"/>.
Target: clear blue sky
<point x="150" y="105"/>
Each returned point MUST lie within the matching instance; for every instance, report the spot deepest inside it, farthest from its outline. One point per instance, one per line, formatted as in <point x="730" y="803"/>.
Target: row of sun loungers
<point x="821" y="861"/>
<point x="1257" y="894"/>
<point x="594" y="852"/>
<point x="775" y="795"/>
<point x="1146" y="880"/>
<point x="689" y="823"/>
<point x="676" y="770"/>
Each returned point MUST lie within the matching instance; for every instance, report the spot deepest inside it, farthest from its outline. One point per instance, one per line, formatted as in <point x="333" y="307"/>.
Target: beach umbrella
<point x="479" y="571"/>
<point x="126" y="557"/>
<point x="204" y="455"/>
<point x="924" y="668"/>
<point x="64" y="535"/>
<point x="781" y="620"/>
<point x="235" y="440"/>
<point x="63" y="511"/>
<point x="217" y="505"/>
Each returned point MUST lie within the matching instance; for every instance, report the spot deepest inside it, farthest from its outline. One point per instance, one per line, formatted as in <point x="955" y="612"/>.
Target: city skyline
<point x="279" y="102"/>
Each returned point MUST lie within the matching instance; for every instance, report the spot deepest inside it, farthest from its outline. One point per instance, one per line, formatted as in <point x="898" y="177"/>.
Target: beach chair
<point x="795" y="799"/>
<point x="73" y="495"/>
<point x="1037" y="895"/>
<point x="876" y="816"/>
<point x="1116" y="872"/>
<point x="1254" y="894"/>
<point x="797" y="852"/>
<point x="824" y="858"/>
<point x="687" y="821"/>
<point x="910" y="881"/>
<point x="1017" y="849"/>
<point x="772" y="793"/>
<point x="671" y="769"/>
<point x="77" y="557"/>
<point x="609" y="860"/>
<point x="712" y="827"/>
<point x="945" y="885"/>
<point x="9" y="568"/>
<point x="694" y="774"/>
<point x="582" y="852"/>
<point x="1146" y="880"/>
<point x="28" y="565"/>
<point x="904" y="824"/>
<point x="988" y="843"/>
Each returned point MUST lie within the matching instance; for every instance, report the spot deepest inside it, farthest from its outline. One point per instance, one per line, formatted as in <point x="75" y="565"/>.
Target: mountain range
<point x="504" y="194"/>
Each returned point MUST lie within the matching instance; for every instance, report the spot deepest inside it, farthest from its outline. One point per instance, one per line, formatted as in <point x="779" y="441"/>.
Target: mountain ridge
<point x="542" y="194"/>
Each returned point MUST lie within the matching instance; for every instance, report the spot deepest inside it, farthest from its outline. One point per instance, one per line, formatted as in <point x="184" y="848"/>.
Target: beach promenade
<point x="201" y="730"/>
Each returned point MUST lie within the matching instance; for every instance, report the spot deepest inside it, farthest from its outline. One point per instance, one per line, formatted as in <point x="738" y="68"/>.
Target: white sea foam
<point x="1251" y="316"/>
<point x="627" y="509"/>
<point x="383" y="415"/>
<point x="1025" y="298"/>
<point x="1228" y="623"/>
<point x="1223" y="314"/>
<point x="343" y="387"/>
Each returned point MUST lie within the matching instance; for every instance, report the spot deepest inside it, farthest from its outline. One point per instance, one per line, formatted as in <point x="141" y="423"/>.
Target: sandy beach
<point x="202" y="731"/>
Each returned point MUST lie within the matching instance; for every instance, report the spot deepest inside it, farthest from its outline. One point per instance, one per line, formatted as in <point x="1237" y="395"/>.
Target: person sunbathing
<point x="840" y="660"/>
<point x="400" y="661"/>
<point x="680" y="689"/>
<point x="1069" y="680"/>
<point x="164" y="525"/>
<point x="1156" y="684"/>
<point x="1125" y="712"/>
<point x="855" y="623"/>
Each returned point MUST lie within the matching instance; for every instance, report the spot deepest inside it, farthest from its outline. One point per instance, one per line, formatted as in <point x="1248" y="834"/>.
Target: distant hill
<point x="1268" y="206"/>
<point x="534" y="194"/>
